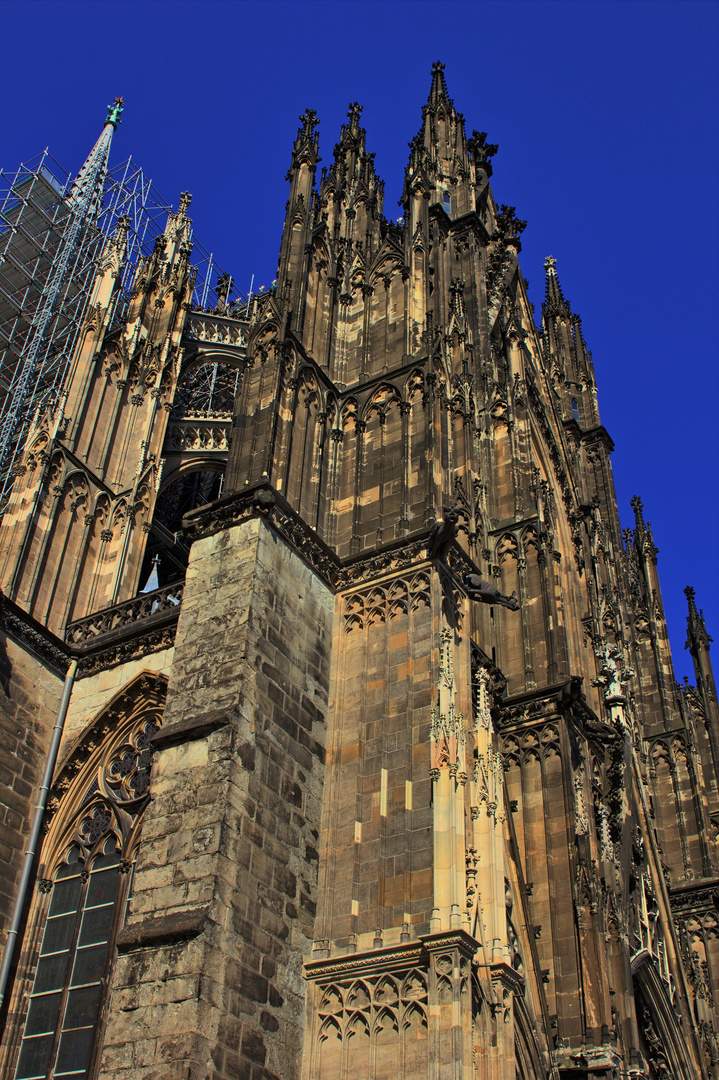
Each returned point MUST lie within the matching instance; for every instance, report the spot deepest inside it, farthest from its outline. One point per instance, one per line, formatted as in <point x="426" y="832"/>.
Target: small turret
<point x="296" y="232"/>
<point x="351" y="194"/>
<point x="439" y="159"/>
<point x="698" y="641"/>
<point x="554" y="302"/>
<point x="570" y="362"/>
<point x="643" y="536"/>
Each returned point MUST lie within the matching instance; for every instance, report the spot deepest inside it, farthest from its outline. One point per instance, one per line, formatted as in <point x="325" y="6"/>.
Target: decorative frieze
<point x="217" y="330"/>
<point x="207" y="435"/>
<point x="382" y="602"/>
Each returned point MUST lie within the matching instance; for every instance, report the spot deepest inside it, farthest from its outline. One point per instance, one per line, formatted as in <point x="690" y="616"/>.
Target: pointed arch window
<point x="86" y="905"/>
<point x="575" y="410"/>
<point x="95" y="813"/>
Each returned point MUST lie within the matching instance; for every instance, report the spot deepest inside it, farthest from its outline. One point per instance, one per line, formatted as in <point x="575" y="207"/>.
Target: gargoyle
<point x="264" y="498"/>
<point x="442" y="535"/>
<point x="488" y="593"/>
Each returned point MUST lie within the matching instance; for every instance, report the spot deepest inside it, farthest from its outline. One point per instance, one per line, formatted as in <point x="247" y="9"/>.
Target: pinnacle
<point x="307" y="141"/>
<point x="352" y="136"/>
<point x="696" y="626"/>
<point x="309" y="122"/>
<point x="353" y="115"/>
<point x="438" y="90"/>
<point x="482" y="150"/>
<point x="554" y="298"/>
<point x="638" y="508"/>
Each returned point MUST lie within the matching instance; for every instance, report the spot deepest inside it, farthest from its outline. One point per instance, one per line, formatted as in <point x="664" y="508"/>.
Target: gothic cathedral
<point x="370" y="760"/>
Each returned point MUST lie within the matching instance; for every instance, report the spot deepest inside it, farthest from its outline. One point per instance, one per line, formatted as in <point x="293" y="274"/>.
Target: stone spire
<point x="554" y="302"/>
<point x="438" y="90"/>
<point x="571" y="363"/>
<point x="698" y="641"/>
<point x="86" y="191"/>
<point x="442" y="133"/>
<point x="439" y="163"/>
<point x="306" y="148"/>
<point x="696" y="627"/>
<point x="297" y="227"/>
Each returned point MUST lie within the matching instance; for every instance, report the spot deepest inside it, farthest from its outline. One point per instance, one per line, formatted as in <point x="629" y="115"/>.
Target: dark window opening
<point x="189" y="490"/>
<point x="64" y="1008"/>
<point x="166" y="553"/>
<point x="206" y="389"/>
<point x="575" y="410"/>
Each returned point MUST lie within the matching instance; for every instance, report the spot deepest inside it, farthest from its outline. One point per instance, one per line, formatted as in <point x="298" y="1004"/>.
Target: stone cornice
<point x="81" y="466"/>
<point x="392" y="958"/>
<point x="108" y="649"/>
<point x="262" y="500"/>
<point x="410" y="364"/>
<point x="187" y="730"/>
<point x="389" y="958"/>
<point x="26" y="631"/>
<point x="470" y="220"/>
<point x="596" y="435"/>
<point x="549" y="702"/>
<point x="131" y="643"/>
<point x="699" y="894"/>
<point x="357" y="389"/>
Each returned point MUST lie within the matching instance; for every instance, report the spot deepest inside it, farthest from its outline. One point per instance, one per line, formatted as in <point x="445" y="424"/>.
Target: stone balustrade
<point x="217" y="329"/>
<point x="198" y="433"/>
<point x="126" y="615"/>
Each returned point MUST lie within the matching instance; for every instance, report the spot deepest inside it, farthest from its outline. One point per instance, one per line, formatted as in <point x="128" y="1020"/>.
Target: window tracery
<point x="84" y="881"/>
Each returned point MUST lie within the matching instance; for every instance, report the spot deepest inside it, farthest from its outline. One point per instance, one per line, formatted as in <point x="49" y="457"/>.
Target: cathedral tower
<point x="397" y="781"/>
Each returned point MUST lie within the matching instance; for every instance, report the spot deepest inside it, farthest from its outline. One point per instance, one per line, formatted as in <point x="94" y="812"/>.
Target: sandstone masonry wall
<point x="209" y="979"/>
<point x="30" y="695"/>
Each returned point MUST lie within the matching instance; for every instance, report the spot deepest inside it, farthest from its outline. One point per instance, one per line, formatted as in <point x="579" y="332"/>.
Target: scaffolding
<point x="48" y="255"/>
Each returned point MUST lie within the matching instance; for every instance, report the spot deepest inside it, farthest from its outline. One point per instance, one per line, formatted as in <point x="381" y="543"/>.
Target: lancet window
<point x="189" y="490"/>
<point x="95" y="811"/>
<point x="86" y="904"/>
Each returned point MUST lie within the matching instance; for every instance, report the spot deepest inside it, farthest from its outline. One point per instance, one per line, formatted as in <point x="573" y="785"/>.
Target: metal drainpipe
<point x="35" y="831"/>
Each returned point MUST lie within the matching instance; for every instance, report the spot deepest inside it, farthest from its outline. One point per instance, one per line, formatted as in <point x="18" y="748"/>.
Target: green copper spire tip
<point x="114" y="112"/>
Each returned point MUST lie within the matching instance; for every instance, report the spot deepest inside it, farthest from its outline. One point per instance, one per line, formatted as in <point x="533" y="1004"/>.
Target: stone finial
<point x="438" y="89"/>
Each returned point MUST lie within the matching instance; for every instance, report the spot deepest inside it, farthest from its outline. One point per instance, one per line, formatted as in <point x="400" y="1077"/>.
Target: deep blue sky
<point x="606" y="115"/>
